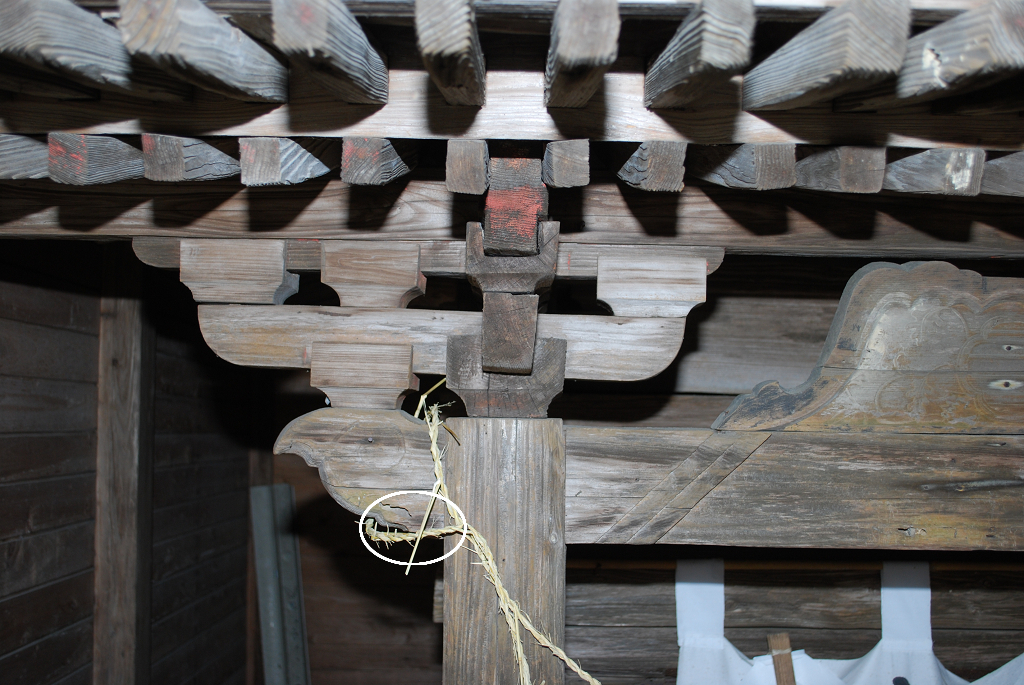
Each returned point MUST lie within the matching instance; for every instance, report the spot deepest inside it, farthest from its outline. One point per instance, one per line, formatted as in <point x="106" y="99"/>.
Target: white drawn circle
<point x="428" y="493"/>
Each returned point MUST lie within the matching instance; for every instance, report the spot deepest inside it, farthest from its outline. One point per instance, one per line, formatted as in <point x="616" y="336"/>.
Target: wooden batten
<point x="710" y="47"/>
<point x="324" y="36"/>
<point x="466" y="167"/>
<point x="60" y="36"/>
<point x="375" y="161"/>
<point x="241" y="271"/>
<point x="945" y="171"/>
<point x="566" y="164"/>
<point x="656" y="166"/>
<point x="282" y="161"/>
<point x="172" y="158"/>
<point x="189" y="40"/>
<point x="584" y="43"/>
<point x="846" y="169"/>
<point x="1004" y="176"/>
<point x="857" y="44"/>
<point x="367" y="274"/>
<point x="23" y="157"/>
<point x="447" y="40"/>
<point x="89" y="160"/>
<point x="750" y="166"/>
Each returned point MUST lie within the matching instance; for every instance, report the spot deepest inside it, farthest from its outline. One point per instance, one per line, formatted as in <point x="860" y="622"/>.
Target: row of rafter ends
<point x="859" y="54"/>
<point x="659" y="166"/>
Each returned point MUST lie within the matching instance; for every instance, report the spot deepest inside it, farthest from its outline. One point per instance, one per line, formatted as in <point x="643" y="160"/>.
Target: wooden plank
<point x="124" y="481"/>
<point x="39" y="612"/>
<point x="566" y="164"/>
<point x="178" y="591"/>
<point x="465" y="168"/>
<point x="325" y="37"/>
<point x="369" y="274"/>
<point x="371" y="376"/>
<point x="966" y="52"/>
<point x="45" y="557"/>
<point x="938" y="171"/>
<point x="844" y="169"/>
<point x="280" y="161"/>
<point x="189" y="40"/>
<point x="200" y="480"/>
<point x="1003" y="176"/>
<point x="17" y="78"/>
<point x="658" y="287"/>
<point x="855" y="45"/>
<point x="710" y="47"/>
<point x="36" y="405"/>
<point x="28" y="457"/>
<point x="520" y="515"/>
<point x="699" y="411"/>
<point x="584" y="43"/>
<point x="201" y="651"/>
<point x="509" y="332"/>
<point x="52" y="658"/>
<point x="28" y="508"/>
<point x="375" y="161"/>
<point x="87" y="160"/>
<point x="248" y="271"/>
<point x="48" y="307"/>
<point x="185" y="517"/>
<point x="516" y="202"/>
<point x="599" y="347"/>
<point x="656" y="166"/>
<point x="782" y="658"/>
<point x="23" y="157"/>
<point x="447" y="41"/>
<point x="175" y="629"/>
<point x="172" y="158"/>
<point x="753" y="167"/>
<point x="59" y="36"/>
<point x="32" y="351"/>
<point x="176" y="555"/>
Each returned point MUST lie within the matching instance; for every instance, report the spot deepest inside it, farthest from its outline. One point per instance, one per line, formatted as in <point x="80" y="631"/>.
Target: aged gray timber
<point x="375" y="161"/>
<point x="1004" y="176"/>
<point x="508" y="476"/>
<point x="942" y="171"/>
<point x="282" y="161"/>
<point x="845" y="169"/>
<point x="447" y="39"/>
<point x="466" y="167"/>
<point x="190" y="40"/>
<point x="584" y="43"/>
<point x="750" y="166"/>
<point x="566" y="164"/>
<point x="172" y="158"/>
<point x="23" y="157"/>
<point x="708" y="49"/>
<point x="857" y="44"/>
<point x="88" y="160"/>
<point x="656" y="166"/>
<point x="970" y="51"/>
<point x="324" y="35"/>
<point x="61" y="37"/>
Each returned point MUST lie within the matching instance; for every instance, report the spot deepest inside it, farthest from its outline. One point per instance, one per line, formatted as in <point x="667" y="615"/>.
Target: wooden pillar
<point x="508" y="475"/>
<point x="124" y="478"/>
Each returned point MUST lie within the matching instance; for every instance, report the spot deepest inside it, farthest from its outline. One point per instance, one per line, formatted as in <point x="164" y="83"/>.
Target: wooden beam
<point x="566" y="164"/>
<point x="710" y="47"/>
<point x="124" y="473"/>
<point x="17" y="78"/>
<point x="375" y="161"/>
<point x="1004" y="176"/>
<point x="660" y="286"/>
<point x="172" y="158"/>
<point x="508" y="477"/>
<point x="966" y="52"/>
<point x="88" y="160"/>
<point x="447" y="40"/>
<point x="368" y="274"/>
<point x="515" y="204"/>
<point x="857" y="44"/>
<point x="323" y="35"/>
<point x="509" y="332"/>
<point x="584" y="43"/>
<point x="189" y="40"/>
<point x="60" y="36"/>
<point x="466" y="167"/>
<point x="237" y="271"/>
<point x="364" y="376"/>
<point x="939" y="172"/>
<point x="846" y="169"/>
<point x="656" y="166"/>
<point x="23" y="157"/>
<point x="282" y="161"/>
<point x="753" y="167"/>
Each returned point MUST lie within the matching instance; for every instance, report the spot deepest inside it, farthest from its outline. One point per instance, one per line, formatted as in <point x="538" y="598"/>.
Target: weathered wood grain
<point x="782" y="658"/>
<point x="465" y="167"/>
<point x="189" y="40"/>
<point x="324" y="36"/>
<point x="937" y="171"/>
<point x="59" y="657"/>
<point x="566" y="164"/>
<point x="88" y="160"/>
<point x="856" y="44"/>
<point x="966" y="52"/>
<point x="375" y="161"/>
<point x="40" y="559"/>
<point x="656" y="166"/>
<point x="33" y="351"/>
<point x="584" y="43"/>
<point x="919" y="348"/>
<point x="59" y="36"/>
<point x="658" y="286"/>
<point x="369" y="274"/>
<point x="509" y="332"/>
<point x="508" y="477"/>
<point x="30" y="507"/>
<point x="40" y="405"/>
<point x="246" y="272"/>
<point x="710" y="47"/>
<point x="499" y="395"/>
<point x="754" y="167"/>
<point x="1004" y="176"/>
<point x="28" y="457"/>
<point x="23" y="157"/>
<point x="447" y="40"/>
<point x="281" y="161"/>
<point x="370" y="376"/>
<point x="516" y="202"/>
<point x="172" y="158"/>
<point x="48" y="307"/>
<point x="845" y="169"/>
<point x="35" y="614"/>
<point x="523" y="274"/>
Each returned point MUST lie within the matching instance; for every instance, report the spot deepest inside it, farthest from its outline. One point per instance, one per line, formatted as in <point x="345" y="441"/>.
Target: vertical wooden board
<point x="242" y="271"/>
<point x="447" y="40"/>
<point x="656" y="166"/>
<point x="509" y="332"/>
<point x="584" y="43"/>
<point x="88" y="160"/>
<point x="567" y="163"/>
<point x="508" y="476"/>
<point x="23" y="157"/>
<point x="466" y="166"/>
<point x="782" y="658"/>
<point x="940" y="171"/>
